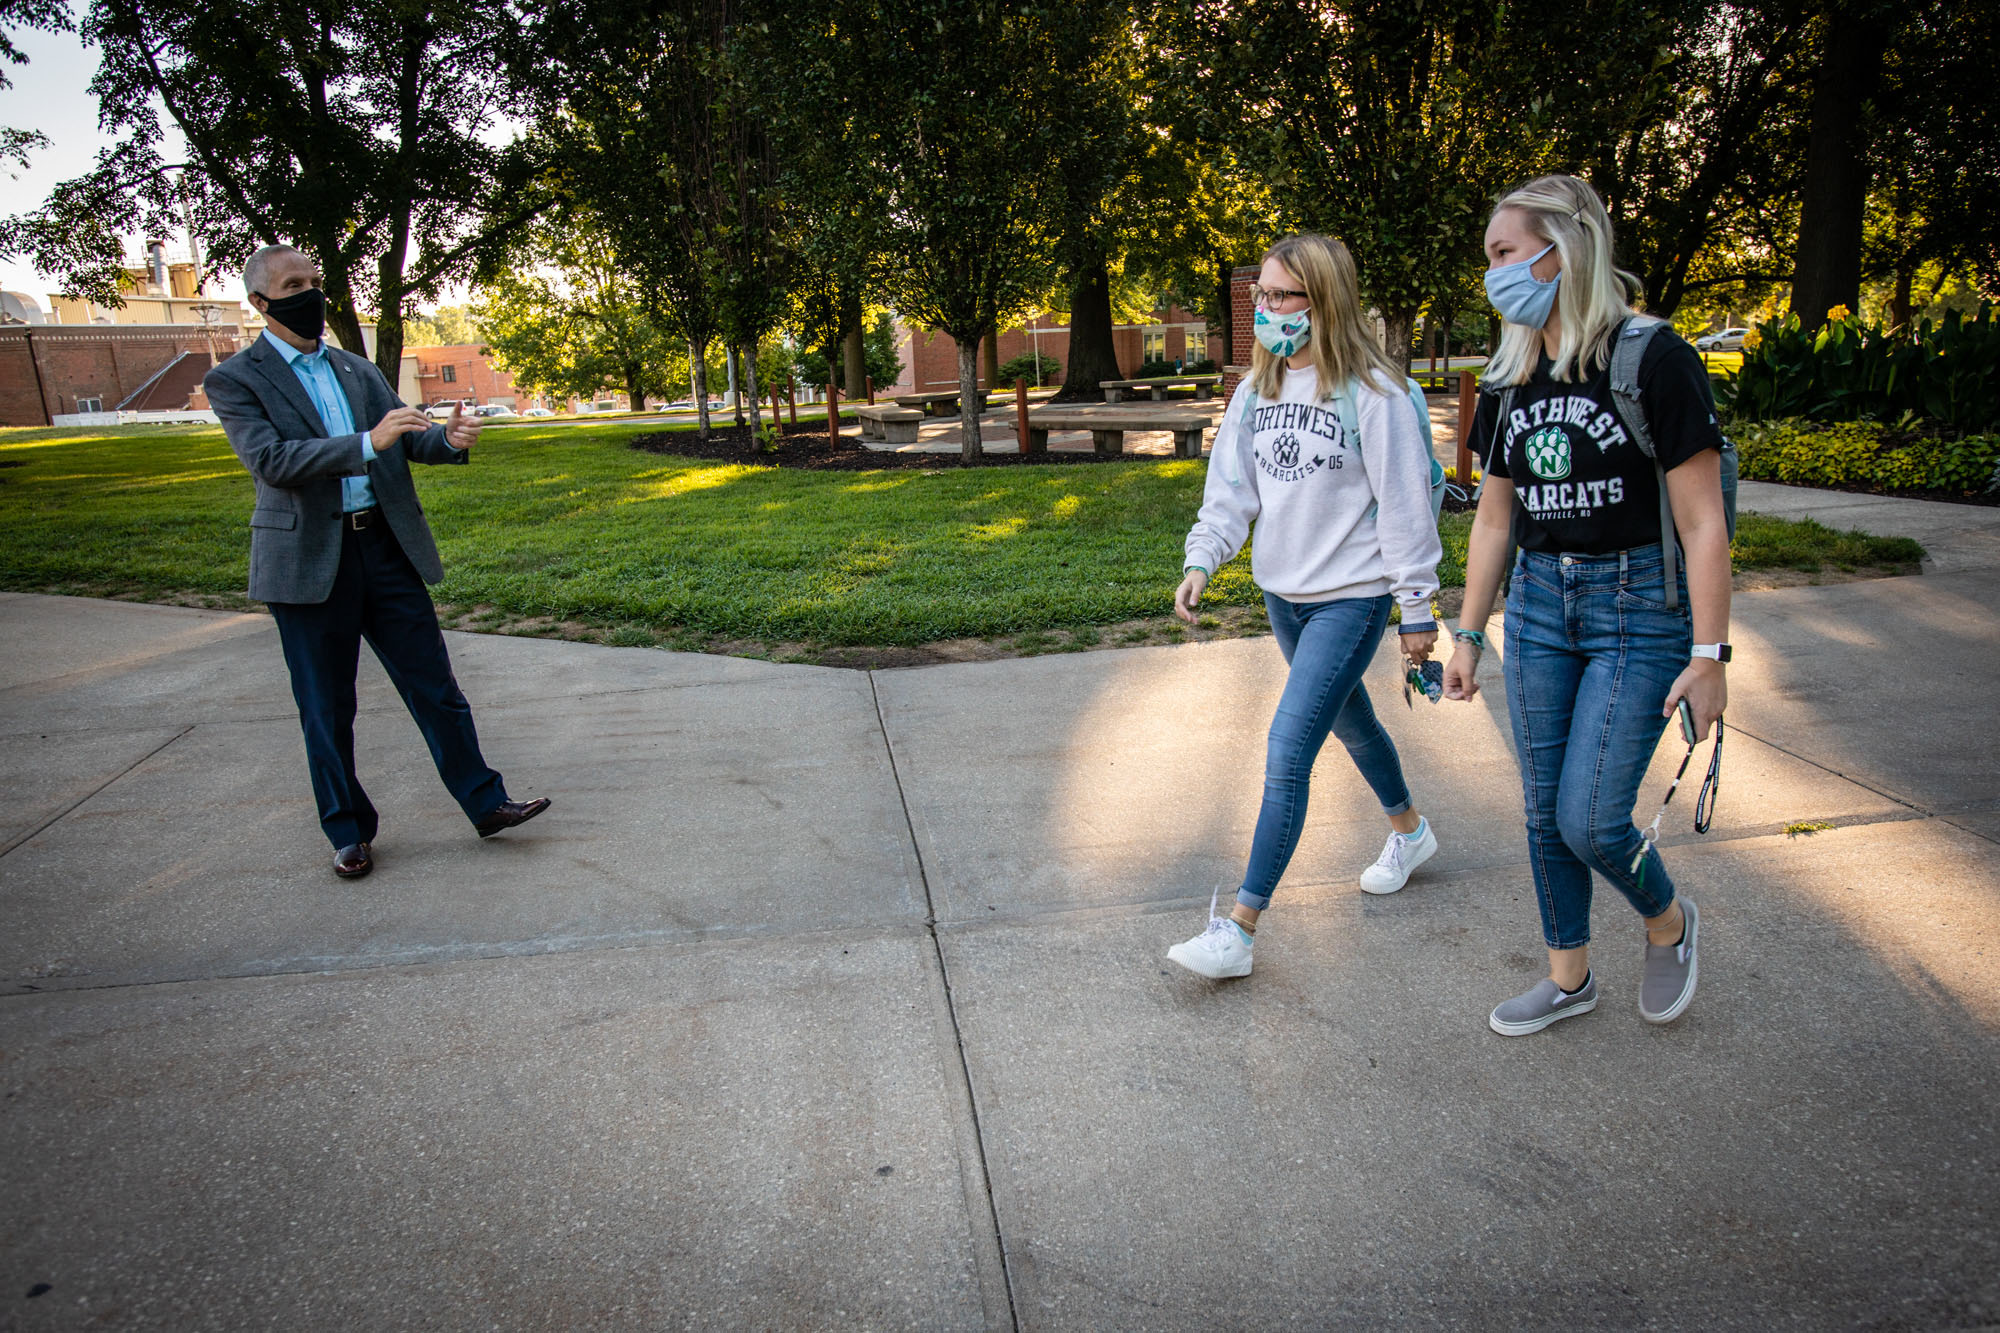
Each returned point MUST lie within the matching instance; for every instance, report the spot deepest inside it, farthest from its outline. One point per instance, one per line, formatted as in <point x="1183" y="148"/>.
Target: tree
<point x="943" y="153"/>
<point x="356" y="131"/>
<point x="447" y="326"/>
<point x="1827" y="264"/>
<point x="584" y="329"/>
<point x="1693" y="141"/>
<point x="637" y="99"/>
<point x="1386" y="124"/>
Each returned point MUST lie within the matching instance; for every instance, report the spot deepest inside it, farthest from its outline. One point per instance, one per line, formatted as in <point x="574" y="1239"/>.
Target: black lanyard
<point x="1704" y="804"/>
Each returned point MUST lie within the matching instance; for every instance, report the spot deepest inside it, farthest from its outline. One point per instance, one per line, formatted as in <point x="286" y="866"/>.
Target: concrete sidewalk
<point x="834" y="999"/>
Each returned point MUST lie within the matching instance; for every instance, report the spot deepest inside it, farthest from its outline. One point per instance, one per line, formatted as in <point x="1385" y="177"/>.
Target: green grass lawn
<point x="565" y="529"/>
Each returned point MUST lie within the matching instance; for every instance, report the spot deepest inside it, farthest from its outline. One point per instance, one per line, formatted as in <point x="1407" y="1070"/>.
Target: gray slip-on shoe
<point x="1668" y="986"/>
<point x="1541" y="1005"/>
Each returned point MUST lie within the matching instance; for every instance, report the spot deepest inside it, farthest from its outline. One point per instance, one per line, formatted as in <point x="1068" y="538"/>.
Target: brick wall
<point x="106" y="362"/>
<point x="930" y="358"/>
<point x="1241" y="317"/>
<point x="474" y="376"/>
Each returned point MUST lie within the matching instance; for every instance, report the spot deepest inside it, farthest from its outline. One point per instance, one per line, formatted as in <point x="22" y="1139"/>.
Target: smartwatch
<point x="1718" y="652"/>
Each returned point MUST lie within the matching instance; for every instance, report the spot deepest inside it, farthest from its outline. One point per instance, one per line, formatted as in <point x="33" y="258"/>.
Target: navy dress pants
<point x="377" y="596"/>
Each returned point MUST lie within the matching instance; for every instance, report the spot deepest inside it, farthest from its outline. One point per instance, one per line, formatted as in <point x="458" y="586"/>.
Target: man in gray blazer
<point x="340" y="550"/>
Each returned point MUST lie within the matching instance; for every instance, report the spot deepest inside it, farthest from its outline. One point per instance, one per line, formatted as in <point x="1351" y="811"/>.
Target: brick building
<point x="930" y="358"/>
<point x="465" y="370"/>
<point x="51" y="370"/>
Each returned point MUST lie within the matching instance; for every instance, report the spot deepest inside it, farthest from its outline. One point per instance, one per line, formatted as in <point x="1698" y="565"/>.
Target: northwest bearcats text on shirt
<point x="1584" y="484"/>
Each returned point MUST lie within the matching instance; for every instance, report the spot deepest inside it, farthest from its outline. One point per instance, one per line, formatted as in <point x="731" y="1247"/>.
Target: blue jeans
<point x="1329" y="645"/>
<point x="1591" y="653"/>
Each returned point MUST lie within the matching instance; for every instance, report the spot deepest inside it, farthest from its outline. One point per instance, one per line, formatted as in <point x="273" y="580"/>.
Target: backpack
<point x="1628" y="349"/>
<point x="1350" y="426"/>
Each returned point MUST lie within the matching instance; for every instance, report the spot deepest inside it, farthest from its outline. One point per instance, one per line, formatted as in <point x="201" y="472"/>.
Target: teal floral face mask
<point x="1283" y="335"/>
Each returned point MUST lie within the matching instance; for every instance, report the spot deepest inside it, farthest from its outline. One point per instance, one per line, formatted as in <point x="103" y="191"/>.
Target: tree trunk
<point x="989" y="357"/>
<point x="749" y="383"/>
<point x="1225" y="302"/>
<point x="854" y="359"/>
<point x="735" y="385"/>
<point x="633" y="389"/>
<point x="1093" y="355"/>
<point x="698" y="372"/>
<point x="1826" y="269"/>
<point x="1902" y="305"/>
<point x="970" y="450"/>
<point x="1398" y="326"/>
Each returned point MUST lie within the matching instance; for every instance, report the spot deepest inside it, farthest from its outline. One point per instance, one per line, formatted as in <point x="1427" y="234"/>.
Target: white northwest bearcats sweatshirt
<point x="1336" y="518"/>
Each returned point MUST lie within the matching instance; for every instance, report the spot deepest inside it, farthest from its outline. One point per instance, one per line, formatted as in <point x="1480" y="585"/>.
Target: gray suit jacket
<point x="274" y="428"/>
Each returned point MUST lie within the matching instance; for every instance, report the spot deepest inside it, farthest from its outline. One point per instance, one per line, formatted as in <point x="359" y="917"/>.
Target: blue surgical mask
<point x="1283" y="335"/>
<point x="1520" y="296"/>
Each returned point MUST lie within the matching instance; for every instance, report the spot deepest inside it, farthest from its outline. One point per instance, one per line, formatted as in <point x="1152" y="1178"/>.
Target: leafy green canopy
<point x="358" y="131"/>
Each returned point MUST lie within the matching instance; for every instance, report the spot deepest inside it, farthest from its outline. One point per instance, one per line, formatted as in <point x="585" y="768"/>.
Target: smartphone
<point x="1686" y="715"/>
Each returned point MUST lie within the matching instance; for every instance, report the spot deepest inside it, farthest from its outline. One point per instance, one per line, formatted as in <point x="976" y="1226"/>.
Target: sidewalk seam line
<point x="53" y="819"/>
<point x="1926" y="811"/>
<point x="950" y="1004"/>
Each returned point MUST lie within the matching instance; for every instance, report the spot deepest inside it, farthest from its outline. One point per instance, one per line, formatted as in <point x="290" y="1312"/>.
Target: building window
<point x="90" y="404"/>
<point x="1197" y="344"/>
<point x="1156" y="345"/>
<point x="451" y="374"/>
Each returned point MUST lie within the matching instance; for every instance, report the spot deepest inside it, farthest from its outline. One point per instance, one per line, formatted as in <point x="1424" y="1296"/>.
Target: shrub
<point x="1851" y="371"/>
<point x="1022" y="367"/>
<point x="1154" y="369"/>
<point x="1205" y="366"/>
<point x="1865" y="454"/>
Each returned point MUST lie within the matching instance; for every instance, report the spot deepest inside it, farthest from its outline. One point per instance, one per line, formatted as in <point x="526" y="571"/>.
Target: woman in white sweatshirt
<point x="1321" y="449"/>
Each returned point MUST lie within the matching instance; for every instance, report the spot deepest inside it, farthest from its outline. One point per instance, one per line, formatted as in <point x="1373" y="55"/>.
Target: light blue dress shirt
<point x="322" y="384"/>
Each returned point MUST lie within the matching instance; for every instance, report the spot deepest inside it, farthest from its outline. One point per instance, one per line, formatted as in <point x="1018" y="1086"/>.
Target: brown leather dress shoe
<point x="510" y="813"/>
<point x="353" y="862"/>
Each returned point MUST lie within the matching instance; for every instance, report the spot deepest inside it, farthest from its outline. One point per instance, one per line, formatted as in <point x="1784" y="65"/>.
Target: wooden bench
<point x="1107" y="429"/>
<point x="941" y="404"/>
<point x="1204" y="387"/>
<point x="893" y="425"/>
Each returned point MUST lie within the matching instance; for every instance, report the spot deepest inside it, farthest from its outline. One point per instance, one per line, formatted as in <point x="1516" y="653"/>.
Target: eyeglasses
<point x="1268" y="297"/>
<point x="1704" y="804"/>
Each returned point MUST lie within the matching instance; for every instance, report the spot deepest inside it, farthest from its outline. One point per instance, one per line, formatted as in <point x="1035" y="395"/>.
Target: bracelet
<point x="1472" y="636"/>
<point x="1205" y="573"/>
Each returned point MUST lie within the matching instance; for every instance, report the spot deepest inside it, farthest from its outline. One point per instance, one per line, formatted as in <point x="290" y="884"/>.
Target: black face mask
<point x="304" y="313"/>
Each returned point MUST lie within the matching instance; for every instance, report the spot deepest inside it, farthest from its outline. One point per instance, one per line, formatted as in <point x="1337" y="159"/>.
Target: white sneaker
<point x="1400" y="855"/>
<point x="1220" y="951"/>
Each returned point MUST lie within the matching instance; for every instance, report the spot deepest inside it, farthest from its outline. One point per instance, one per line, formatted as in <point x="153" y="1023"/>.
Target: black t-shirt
<point x="1583" y="482"/>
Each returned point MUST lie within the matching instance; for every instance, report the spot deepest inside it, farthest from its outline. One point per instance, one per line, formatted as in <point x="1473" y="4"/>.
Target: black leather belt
<point x="361" y="519"/>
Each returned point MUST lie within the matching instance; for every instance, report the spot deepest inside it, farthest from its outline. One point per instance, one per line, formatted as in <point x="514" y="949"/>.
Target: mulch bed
<point x="806" y="446"/>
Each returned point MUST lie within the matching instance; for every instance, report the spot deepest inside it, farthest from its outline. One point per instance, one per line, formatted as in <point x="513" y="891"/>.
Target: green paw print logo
<point x="1548" y="453"/>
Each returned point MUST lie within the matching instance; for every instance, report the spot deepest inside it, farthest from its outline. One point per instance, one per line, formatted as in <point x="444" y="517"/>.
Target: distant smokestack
<point x="157" y="252"/>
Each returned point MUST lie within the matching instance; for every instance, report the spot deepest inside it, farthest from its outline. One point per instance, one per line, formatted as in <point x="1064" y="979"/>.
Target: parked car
<point x="538" y="412"/>
<point x="1729" y="340"/>
<point x="441" y="410"/>
<point x="494" y="410"/>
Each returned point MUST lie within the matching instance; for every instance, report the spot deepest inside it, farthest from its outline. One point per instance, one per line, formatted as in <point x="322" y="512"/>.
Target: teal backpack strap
<point x="1232" y="472"/>
<point x="1350" y="422"/>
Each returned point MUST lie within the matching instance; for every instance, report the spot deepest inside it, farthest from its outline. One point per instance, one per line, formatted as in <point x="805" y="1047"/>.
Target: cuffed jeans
<point x="1329" y="646"/>
<point x="1591" y="652"/>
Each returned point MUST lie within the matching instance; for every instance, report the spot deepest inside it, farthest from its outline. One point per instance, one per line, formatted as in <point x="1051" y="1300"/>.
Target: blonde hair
<point x="1340" y="346"/>
<point x="1595" y="295"/>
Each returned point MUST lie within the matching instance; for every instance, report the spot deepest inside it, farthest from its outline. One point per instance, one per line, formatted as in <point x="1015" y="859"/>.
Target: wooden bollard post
<point x="869" y="380"/>
<point x="1021" y="411"/>
<point x="1468" y="404"/>
<point x="832" y="412"/>
<point x="792" y="401"/>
